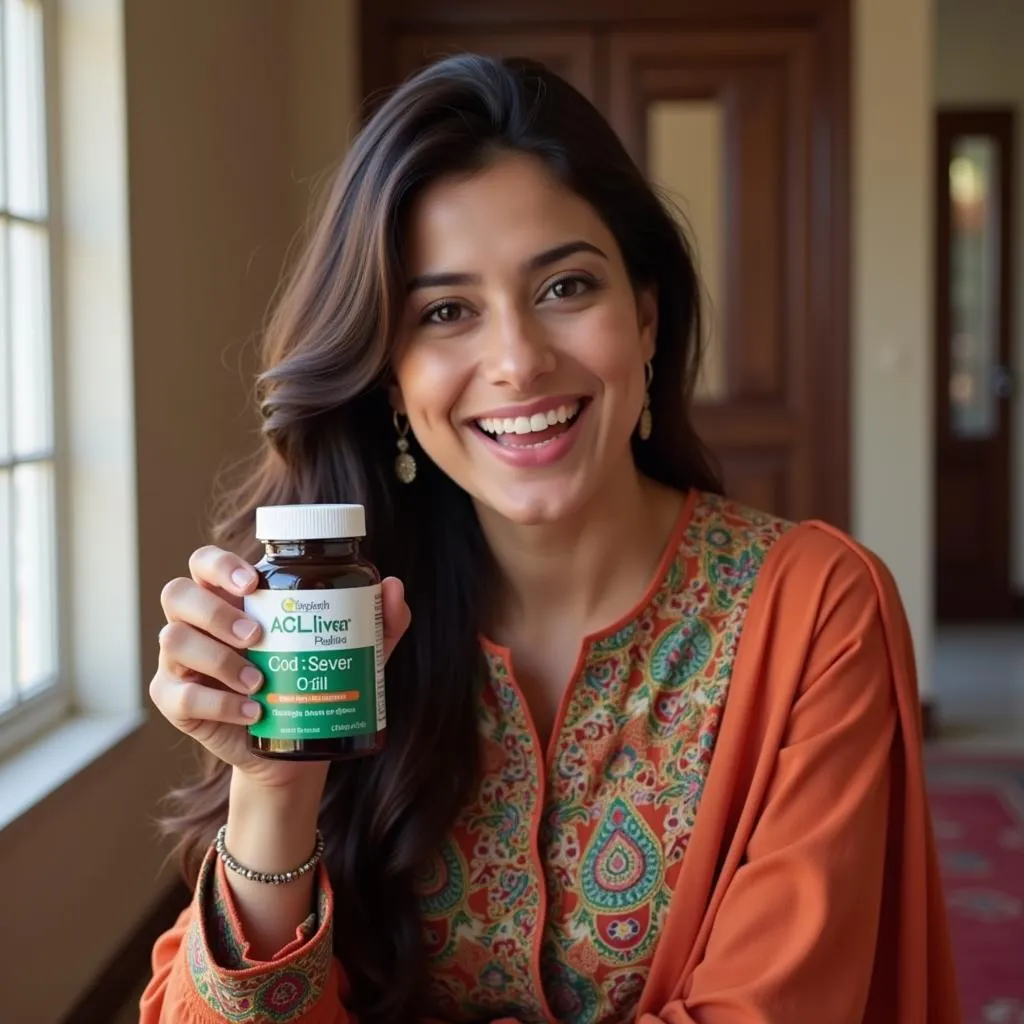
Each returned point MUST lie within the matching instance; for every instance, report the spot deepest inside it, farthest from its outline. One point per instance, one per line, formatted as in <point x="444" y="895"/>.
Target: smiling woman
<point x="651" y="755"/>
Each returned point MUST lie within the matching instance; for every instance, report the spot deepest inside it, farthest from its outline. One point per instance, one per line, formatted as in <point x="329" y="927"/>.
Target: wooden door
<point x="764" y="87"/>
<point x="974" y="394"/>
<point x="569" y="54"/>
<point x="773" y="405"/>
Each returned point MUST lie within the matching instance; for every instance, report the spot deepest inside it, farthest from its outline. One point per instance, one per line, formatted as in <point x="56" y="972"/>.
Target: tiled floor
<point x="978" y="681"/>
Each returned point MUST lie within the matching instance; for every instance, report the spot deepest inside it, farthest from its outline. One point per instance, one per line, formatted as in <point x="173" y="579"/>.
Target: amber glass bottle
<point x="321" y="652"/>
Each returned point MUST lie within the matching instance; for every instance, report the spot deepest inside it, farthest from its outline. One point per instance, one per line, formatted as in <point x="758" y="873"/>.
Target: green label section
<point x="315" y="695"/>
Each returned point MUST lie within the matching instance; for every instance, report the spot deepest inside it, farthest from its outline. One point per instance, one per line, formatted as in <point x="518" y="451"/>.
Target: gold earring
<point x="646" y="420"/>
<point x="405" y="464"/>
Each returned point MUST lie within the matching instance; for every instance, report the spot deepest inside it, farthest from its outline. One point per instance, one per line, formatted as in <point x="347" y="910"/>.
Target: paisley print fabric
<point x="238" y="988"/>
<point x="481" y="897"/>
<point x="547" y="900"/>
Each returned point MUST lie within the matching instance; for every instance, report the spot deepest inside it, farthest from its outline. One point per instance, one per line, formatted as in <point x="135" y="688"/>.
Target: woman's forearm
<point x="272" y="831"/>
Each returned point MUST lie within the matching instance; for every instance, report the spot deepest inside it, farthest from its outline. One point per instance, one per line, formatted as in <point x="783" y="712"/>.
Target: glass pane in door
<point x="974" y="286"/>
<point x="686" y="161"/>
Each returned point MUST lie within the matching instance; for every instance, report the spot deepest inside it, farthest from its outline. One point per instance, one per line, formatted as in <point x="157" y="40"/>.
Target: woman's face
<point x="520" y="360"/>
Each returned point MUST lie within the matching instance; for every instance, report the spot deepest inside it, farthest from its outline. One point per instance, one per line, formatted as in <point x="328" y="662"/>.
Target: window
<point x="30" y="669"/>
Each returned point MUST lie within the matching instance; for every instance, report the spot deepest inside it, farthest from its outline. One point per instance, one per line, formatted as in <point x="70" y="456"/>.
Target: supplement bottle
<point x="321" y="651"/>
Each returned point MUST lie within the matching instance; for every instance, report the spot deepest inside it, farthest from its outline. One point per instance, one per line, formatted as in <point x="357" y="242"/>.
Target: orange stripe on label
<point x="312" y="698"/>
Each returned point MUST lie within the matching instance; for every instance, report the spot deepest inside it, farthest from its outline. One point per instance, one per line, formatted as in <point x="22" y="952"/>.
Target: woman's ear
<point x="396" y="399"/>
<point x="647" y="311"/>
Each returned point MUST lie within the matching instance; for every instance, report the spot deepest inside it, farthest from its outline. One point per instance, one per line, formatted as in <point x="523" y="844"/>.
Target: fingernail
<point x="250" y="709"/>
<point x="241" y="578"/>
<point x="252" y="678"/>
<point x="244" y="629"/>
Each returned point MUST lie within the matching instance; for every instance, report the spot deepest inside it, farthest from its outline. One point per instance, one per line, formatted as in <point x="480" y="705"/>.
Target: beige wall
<point x="324" y="104"/>
<point x="978" y="60"/>
<point x="225" y="131"/>
<point x="892" y="282"/>
<point x="225" y="127"/>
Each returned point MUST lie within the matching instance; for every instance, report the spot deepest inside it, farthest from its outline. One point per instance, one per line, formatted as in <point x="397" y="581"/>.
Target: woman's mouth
<point x="534" y="431"/>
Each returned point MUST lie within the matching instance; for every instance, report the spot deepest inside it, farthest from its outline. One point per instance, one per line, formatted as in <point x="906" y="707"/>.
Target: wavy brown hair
<point x="327" y="436"/>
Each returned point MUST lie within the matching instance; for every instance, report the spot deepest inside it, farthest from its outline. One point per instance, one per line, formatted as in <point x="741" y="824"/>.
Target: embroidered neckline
<point x="660" y="585"/>
<point x="660" y="581"/>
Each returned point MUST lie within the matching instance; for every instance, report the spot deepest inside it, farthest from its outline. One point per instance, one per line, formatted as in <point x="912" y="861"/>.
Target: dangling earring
<point x="405" y="464"/>
<point x="646" y="420"/>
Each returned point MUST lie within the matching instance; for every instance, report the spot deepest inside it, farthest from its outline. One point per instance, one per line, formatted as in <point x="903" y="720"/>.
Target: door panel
<point x="974" y="394"/>
<point x="757" y="418"/>
<point x="687" y="162"/>
<point x="569" y="54"/>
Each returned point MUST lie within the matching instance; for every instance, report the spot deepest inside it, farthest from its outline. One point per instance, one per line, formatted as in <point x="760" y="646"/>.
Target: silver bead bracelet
<point x="267" y="878"/>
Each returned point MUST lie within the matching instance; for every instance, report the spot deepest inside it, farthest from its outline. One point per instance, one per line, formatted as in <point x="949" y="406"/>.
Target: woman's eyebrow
<point x="442" y="280"/>
<point x="559" y="252"/>
<point x="451" y="279"/>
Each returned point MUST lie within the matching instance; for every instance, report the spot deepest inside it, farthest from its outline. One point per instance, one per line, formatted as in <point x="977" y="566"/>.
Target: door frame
<point x="829" y="286"/>
<point x="999" y="123"/>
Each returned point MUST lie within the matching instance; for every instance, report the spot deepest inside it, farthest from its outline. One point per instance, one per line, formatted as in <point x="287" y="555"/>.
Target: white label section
<point x="318" y="620"/>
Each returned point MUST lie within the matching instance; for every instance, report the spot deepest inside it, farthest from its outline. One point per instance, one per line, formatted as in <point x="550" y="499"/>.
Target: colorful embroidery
<point x="551" y="894"/>
<point x="240" y="989"/>
<point x="480" y="898"/>
<point x="630" y="802"/>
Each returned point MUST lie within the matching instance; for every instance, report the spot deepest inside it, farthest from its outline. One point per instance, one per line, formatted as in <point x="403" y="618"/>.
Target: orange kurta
<point x="797" y="885"/>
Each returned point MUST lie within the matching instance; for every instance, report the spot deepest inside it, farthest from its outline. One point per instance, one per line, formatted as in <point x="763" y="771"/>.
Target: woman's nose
<point x="518" y="351"/>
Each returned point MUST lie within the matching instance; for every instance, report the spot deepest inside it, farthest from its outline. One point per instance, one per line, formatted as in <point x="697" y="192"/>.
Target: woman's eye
<point x="443" y="313"/>
<point x="569" y="287"/>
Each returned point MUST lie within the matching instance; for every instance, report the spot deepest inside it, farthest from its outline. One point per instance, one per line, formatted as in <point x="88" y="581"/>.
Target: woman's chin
<point x="541" y="505"/>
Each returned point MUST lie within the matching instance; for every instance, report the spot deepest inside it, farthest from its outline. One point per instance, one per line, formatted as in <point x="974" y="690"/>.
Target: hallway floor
<point x="977" y="803"/>
<point x="978" y="681"/>
<point x="976" y="782"/>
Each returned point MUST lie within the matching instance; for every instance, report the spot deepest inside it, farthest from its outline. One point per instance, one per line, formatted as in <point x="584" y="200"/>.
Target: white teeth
<point x="529" y="424"/>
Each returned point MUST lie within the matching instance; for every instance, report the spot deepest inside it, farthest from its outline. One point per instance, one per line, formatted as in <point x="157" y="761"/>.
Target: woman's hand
<point x="203" y="682"/>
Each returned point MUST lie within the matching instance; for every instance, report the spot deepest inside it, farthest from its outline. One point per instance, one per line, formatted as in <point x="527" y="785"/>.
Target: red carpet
<point x="978" y="810"/>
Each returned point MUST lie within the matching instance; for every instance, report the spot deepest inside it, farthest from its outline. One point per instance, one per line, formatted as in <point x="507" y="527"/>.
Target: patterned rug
<point x="978" y="810"/>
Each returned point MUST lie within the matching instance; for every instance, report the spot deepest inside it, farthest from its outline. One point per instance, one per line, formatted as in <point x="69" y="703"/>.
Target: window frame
<point x="39" y="711"/>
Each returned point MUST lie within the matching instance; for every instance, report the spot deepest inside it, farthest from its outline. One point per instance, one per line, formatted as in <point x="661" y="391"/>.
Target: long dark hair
<point x="328" y="436"/>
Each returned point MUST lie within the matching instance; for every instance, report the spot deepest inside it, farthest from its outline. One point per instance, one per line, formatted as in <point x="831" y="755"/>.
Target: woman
<point x="652" y="756"/>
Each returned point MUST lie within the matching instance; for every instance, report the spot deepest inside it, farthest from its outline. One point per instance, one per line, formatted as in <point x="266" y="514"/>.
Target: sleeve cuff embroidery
<point x="239" y="988"/>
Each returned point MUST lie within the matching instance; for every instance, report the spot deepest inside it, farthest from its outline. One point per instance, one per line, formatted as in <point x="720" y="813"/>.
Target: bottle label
<point x="321" y="654"/>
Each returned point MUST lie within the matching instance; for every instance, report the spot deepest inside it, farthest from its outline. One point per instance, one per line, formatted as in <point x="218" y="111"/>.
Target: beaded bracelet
<point x="267" y="878"/>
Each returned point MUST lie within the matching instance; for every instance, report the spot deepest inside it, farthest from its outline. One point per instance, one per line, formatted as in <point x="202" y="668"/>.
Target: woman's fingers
<point x="187" y="703"/>
<point x="396" y="613"/>
<point x="193" y="608"/>
<point x="217" y="569"/>
<point x="184" y="650"/>
<point x="203" y="685"/>
<point x="185" y="600"/>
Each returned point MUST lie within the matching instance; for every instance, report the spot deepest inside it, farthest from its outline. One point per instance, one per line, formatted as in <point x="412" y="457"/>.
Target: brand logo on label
<point x="302" y="615"/>
<point x="291" y="604"/>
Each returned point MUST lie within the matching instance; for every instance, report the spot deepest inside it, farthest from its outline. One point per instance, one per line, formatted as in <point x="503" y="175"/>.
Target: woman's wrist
<point x="271" y="829"/>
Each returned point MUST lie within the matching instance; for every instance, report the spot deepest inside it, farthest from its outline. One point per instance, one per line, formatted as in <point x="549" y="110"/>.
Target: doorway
<point x="974" y="177"/>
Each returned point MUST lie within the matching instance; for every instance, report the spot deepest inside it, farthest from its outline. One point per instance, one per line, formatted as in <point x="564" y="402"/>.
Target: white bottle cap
<point x="310" y="522"/>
